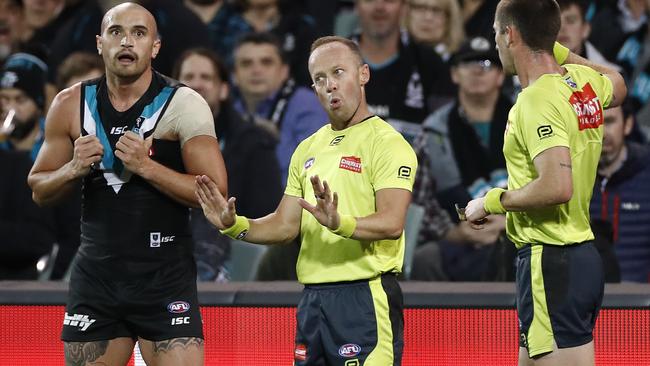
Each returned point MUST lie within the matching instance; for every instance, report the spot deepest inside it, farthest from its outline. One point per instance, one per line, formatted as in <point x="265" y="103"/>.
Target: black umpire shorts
<point x="351" y="324"/>
<point x="559" y="293"/>
<point x="161" y="305"/>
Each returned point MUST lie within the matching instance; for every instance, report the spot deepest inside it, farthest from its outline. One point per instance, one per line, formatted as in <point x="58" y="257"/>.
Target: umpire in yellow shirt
<point x="552" y="145"/>
<point x="348" y="190"/>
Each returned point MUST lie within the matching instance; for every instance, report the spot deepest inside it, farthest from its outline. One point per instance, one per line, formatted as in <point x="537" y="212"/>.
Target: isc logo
<point x="155" y="239"/>
<point x="119" y="130"/>
<point x="181" y="320"/>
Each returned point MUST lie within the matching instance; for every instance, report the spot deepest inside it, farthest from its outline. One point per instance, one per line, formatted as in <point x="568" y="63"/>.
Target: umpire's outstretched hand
<point x="325" y="210"/>
<point x="217" y="210"/>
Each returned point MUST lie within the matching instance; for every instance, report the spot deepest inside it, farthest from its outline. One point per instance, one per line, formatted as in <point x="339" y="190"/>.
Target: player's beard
<point x="23" y="128"/>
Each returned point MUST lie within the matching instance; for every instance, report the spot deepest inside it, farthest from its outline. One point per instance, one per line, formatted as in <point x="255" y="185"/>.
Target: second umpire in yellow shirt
<point x="552" y="145"/>
<point x="347" y="194"/>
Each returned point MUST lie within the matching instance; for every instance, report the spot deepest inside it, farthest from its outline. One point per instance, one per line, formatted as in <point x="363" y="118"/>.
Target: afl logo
<point x="178" y="307"/>
<point x="309" y="163"/>
<point x="349" y="350"/>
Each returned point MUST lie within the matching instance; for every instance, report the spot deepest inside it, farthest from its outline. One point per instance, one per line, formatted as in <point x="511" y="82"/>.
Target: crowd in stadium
<point x="435" y="75"/>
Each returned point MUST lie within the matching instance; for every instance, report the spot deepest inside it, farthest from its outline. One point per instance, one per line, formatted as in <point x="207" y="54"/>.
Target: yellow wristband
<point x="492" y="203"/>
<point x="239" y="229"/>
<point x="346" y="227"/>
<point x="560" y="53"/>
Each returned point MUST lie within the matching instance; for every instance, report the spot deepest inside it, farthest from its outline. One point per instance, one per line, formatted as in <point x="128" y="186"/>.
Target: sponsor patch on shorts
<point x="300" y="352"/>
<point x="178" y="307"/>
<point x="349" y="350"/>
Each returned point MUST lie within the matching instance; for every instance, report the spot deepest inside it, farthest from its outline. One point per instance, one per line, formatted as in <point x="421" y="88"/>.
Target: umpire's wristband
<point x="560" y="53"/>
<point x="346" y="226"/>
<point x="492" y="203"/>
<point x="239" y="229"/>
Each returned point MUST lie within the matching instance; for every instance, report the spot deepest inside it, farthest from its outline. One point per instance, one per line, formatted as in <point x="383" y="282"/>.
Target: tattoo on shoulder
<point x="80" y="353"/>
<point x="565" y="165"/>
<point x="183" y="342"/>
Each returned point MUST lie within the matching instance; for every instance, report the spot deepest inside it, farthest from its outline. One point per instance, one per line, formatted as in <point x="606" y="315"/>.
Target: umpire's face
<point x="339" y="77"/>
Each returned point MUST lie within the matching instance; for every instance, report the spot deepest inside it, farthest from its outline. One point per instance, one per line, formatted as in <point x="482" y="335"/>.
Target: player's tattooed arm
<point x="84" y="353"/>
<point x="182" y="342"/>
<point x="565" y="165"/>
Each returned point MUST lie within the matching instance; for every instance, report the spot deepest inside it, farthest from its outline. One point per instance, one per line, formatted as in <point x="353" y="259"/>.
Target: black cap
<point x="476" y="48"/>
<point x="27" y="73"/>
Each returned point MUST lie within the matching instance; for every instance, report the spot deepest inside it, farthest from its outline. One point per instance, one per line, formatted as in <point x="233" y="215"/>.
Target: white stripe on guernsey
<point x="150" y="122"/>
<point x="89" y="121"/>
<point x="116" y="182"/>
<point x="112" y="179"/>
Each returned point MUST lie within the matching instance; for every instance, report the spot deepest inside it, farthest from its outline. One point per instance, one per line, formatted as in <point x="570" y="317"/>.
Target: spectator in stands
<point x="77" y="67"/>
<point x="294" y="29"/>
<point x="225" y="24"/>
<point x="26" y="230"/>
<point x="41" y="20"/>
<point x="406" y="76"/>
<point x="616" y="21"/>
<point x="268" y="96"/>
<point x="479" y="16"/>
<point x="436" y="22"/>
<point x="11" y="23"/>
<point x="22" y="89"/>
<point x="438" y="226"/>
<point x="461" y="143"/>
<point x="622" y="195"/>
<point x="630" y="37"/>
<point x="575" y="31"/>
<point x="248" y="151"/>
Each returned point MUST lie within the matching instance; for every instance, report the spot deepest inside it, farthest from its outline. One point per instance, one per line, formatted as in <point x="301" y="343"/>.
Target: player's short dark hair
<point x="350" y="44"/>
<point x="581" y="4"/>
<point x="538" y="21"/>
<point x="262" y="38"/>
<point x="217" y="64"/>
<point x="77" y="64"/>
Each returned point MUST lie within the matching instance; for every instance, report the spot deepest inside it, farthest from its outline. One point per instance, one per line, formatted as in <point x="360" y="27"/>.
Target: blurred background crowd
<point x="435" y="76"/>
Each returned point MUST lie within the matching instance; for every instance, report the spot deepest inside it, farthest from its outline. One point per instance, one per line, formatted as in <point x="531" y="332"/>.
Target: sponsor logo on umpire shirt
<point x="351" y="163"/>
<point x="544" y="131"/>
<point x="404" y="172"/>
<point x="337" y="140"/>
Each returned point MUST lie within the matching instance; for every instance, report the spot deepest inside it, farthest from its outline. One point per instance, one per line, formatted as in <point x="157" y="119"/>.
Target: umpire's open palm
<point x="327" y="203"/>
<point x="217" y="210"/>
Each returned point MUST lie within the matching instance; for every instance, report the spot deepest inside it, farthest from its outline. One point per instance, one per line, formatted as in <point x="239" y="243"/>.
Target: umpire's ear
<point x="364" y="74"/>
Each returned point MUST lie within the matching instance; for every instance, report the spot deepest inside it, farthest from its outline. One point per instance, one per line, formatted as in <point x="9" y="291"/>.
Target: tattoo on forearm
<point x="80" y="353"/>
<point x="184" y="343"/>
<point x="565" y="165"/>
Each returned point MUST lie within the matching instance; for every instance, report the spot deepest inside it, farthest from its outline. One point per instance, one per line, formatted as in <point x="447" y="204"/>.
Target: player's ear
<point x="156" y="48"/>
<point x="98" y="42"/>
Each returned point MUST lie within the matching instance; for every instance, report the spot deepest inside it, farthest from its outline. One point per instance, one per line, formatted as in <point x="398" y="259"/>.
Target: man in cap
<point x="465" y="136"/>
<point x="22" y="98"/>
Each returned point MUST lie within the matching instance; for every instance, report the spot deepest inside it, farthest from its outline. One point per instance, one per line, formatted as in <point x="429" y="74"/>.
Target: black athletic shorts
<point x="351" y="324"/>
<point x="559" y="293"/>
<point x="160" y="305"/>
